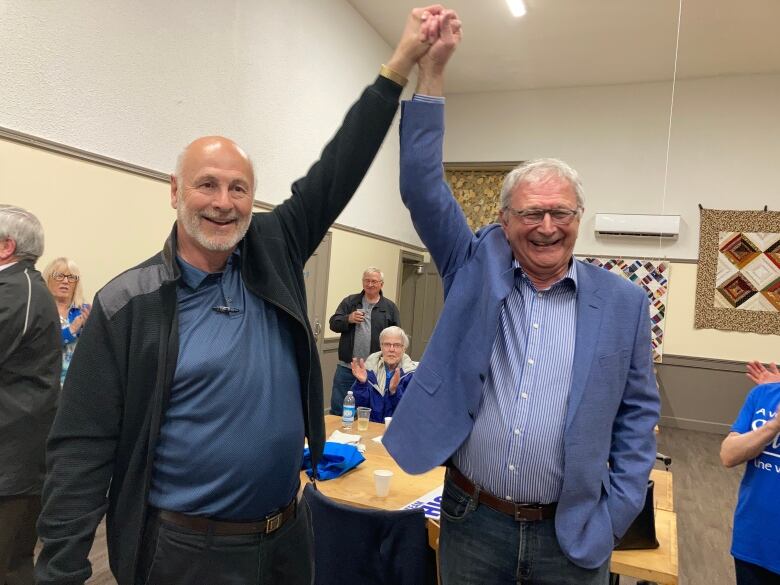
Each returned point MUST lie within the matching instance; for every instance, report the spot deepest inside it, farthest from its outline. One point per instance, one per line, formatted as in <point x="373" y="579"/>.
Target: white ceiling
<point x="563" y="43"/>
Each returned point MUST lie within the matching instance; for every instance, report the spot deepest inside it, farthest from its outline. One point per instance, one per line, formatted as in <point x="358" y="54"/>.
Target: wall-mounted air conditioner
<point x="624" y="224"/>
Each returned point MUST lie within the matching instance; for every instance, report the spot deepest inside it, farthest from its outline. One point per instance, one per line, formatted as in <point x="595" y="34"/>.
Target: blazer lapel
<point x="589" y="313"/>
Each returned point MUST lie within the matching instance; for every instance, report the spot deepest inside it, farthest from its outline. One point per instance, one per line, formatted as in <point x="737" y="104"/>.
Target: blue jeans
<point x="479" y="545"/>
<point x="342" y="383"/>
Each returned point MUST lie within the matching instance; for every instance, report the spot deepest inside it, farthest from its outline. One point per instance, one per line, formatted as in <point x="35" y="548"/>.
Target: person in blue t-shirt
<point x="755" y="439"/>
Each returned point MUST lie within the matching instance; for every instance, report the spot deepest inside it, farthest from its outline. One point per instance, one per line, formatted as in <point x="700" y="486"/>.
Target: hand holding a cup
<point x="356" y="316"/>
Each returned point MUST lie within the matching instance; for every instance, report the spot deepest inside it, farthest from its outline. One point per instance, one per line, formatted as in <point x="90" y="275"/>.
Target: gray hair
<point x="372" y="270"/>
<point x="396" y="332"/>
<point x="535" y="170"/>
<point x="22" y="227"/>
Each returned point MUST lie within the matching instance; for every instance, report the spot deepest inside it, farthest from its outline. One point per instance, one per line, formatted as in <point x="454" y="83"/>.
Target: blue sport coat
<point x="613" y="404"/>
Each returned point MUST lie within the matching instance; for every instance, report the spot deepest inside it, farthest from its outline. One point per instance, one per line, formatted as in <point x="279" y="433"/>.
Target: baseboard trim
<point x="703" y="363"/>
<point x="690" y="424"/>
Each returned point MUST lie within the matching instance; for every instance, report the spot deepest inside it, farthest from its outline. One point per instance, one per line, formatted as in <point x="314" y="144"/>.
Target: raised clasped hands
<point x="444" y="31"/>
<point x="432" y="30"/>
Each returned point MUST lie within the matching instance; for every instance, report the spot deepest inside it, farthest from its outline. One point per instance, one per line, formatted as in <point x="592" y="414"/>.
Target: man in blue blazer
<point x="536" y="388"/>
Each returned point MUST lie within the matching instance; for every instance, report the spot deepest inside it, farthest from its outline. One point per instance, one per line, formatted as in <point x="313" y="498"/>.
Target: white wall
<point x="137" y="81"/>
<point x="724" y="150"/>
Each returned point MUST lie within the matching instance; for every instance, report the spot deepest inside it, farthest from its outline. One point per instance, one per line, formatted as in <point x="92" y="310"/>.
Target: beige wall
<point x="108" y="220"/>
<point x="104" y="219"/>
<point x="683" y="339"/>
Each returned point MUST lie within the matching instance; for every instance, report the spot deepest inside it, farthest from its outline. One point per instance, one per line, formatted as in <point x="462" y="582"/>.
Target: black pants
<point x="750" y="574"/>
<point x="18" y="515"/>
<point x="173" y="555"/>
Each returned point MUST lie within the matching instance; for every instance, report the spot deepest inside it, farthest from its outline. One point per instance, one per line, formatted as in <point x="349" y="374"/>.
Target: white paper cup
<point x="388" y="419"/>
<point x="382" y="479"/>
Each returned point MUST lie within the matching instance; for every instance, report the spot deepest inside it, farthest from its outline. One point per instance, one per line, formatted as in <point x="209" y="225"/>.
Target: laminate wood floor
<point x="705" y="494"/>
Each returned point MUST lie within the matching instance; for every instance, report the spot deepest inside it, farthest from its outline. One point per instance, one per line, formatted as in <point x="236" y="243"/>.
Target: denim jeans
<point x="173" y="555"/>
<point x="479" y="545"/>
<point x="342" y="383"/>
<point x="750" y="574"/>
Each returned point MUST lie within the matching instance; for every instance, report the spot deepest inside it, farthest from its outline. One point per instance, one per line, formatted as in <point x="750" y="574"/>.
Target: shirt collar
<point x="569" y="278"/>
<point x="193" y="277"/>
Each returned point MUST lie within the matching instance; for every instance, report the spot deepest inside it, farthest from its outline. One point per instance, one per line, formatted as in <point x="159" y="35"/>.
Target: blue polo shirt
<point x="231" y="439"/>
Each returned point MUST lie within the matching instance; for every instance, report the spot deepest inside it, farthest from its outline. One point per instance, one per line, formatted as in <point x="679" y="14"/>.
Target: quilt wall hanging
<point x="477" y="188"/>
<point x="653" y="277"/>
<point x="738" y="278"/>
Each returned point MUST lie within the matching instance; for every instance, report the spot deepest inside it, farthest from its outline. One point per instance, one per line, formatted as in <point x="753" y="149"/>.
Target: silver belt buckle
<point x="273" y="523"/>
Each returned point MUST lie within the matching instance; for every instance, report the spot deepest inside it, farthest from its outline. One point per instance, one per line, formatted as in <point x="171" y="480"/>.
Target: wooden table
<point x="662" y="491"/>
<point x="357" y="488"/>
<point x="660" y="564"/>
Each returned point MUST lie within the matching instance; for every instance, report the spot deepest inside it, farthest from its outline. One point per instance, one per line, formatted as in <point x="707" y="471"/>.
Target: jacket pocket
<point x="427" y="378"/>
<point x="614" y="361"/>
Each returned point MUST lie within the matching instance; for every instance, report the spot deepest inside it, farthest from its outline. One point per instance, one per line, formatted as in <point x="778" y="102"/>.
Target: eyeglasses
<point x="559" y="216"/>
<point x="392" y="345"/>
<point x="371" y="282"/>
<point x="59" y="277"/>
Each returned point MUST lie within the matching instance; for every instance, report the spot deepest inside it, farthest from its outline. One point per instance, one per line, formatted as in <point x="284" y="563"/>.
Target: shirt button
<point x="531" y="362"/>
<point x="524" y="395"/>
<point x="539" y="295"/>
<point x="517" y="431"/>
<point x="536" y="325"/>
<point x="511" y="467"/>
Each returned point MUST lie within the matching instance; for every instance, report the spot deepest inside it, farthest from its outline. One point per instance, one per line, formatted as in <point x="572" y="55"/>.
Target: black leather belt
<point x="520" y="512"/>
<point x="269" y="524"/>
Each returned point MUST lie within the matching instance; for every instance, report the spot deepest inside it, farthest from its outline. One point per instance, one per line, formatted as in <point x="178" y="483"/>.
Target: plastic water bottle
<point x="348" y="413"/>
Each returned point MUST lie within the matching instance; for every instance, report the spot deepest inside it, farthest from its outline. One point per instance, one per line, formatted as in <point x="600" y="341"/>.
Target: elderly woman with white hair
<point x="63" y="278"/>
<point x="383" y="376"/>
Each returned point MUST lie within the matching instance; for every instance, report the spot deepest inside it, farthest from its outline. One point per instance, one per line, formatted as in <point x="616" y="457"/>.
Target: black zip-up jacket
<point x="383" y="315"/>
<point x="30" y="362"/>
<point x="101" y="448"/>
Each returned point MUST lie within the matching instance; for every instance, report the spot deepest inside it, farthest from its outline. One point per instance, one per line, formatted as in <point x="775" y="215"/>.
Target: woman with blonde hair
<point x="63" y="278"/>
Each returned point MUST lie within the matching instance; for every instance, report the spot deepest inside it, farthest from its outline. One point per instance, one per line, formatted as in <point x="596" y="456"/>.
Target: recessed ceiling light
<point x="516" y="7"/>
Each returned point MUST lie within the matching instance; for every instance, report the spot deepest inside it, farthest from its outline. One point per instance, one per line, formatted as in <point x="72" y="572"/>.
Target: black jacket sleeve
<point x="319" y="197"/>
<point x="338" y="321"/>
<point x="395" y="315"/>
<point x="80" y="455"/>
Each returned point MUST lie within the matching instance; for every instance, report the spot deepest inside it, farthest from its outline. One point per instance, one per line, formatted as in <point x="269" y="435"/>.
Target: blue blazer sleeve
<point x="436" y="215"/>
<point x="633" y="440"/>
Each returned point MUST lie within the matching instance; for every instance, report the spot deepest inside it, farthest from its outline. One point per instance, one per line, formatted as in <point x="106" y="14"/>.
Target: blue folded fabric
<point x="336" y="460"/>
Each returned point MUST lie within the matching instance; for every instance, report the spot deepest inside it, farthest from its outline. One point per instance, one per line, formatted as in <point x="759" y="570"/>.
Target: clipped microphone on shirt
<point x="225" y="310"/>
